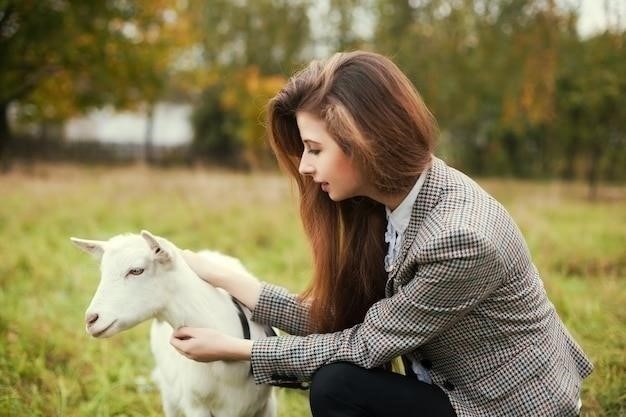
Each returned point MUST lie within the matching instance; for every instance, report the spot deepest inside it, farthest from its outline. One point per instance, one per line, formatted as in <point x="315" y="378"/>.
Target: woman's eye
<point x="135" y="271"/>
<point x="313" y="151"/>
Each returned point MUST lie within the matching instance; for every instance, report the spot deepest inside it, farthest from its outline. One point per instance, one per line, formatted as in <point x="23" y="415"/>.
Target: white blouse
<point x="397" y="222"/>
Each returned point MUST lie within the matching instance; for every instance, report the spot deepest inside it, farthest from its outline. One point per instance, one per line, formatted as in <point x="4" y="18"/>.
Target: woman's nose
<point x="305" y="168"/>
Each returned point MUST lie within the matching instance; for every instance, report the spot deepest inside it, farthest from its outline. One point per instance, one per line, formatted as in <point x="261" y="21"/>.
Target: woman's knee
<point x="331" y="385"/>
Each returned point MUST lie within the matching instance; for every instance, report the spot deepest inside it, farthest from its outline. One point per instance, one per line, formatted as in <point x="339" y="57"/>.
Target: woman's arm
<point x="269" y="304"/>
<point x="457" y="272"/>
<point x="225" y="272"/>
<point x="208" y="345"/>
<point x="280" y="308"/>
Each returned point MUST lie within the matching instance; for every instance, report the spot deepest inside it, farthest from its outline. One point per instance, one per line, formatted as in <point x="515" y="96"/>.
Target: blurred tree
<point x="493" y="72"/>
<point x="591" y="108"/>
<point x="229" y="120"/>
<point x="246" y="45"/>
<point x="271" y="35"/>
<point x="527" y="82"/>
<point x="437" y="44"/>
<point x="515" y="89"/>
<point x="249" y="94"/>
<point x="342" y="25"/>
<point x="59" y="58"/>
<point x="214" y="127"/>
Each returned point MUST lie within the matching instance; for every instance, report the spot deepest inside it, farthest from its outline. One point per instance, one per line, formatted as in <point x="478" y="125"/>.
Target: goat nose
<point x="91" y="319"/>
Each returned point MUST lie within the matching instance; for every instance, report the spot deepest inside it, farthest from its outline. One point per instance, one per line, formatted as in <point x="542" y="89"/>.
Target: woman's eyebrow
<point x="310" y="141"/>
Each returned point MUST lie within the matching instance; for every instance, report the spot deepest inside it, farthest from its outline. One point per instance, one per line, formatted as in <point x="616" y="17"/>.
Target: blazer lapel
<point x="426" y="200"/>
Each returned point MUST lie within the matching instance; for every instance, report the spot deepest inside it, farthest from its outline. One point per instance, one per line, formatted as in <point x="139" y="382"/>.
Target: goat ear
<point x="159" y="253"/>
<point x="92" y="247"/>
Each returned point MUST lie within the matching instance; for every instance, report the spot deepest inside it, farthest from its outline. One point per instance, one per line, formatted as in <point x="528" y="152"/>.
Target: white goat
<point x="143" y="277"/>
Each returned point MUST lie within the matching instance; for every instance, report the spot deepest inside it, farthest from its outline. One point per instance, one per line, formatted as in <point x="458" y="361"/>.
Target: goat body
<point x="144" y="277"/>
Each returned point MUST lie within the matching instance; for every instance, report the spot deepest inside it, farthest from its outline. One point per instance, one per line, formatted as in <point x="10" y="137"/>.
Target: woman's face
<point x="325" y="162"/>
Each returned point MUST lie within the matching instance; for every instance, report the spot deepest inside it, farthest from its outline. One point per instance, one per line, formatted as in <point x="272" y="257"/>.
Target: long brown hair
<point x="372" y="110"/>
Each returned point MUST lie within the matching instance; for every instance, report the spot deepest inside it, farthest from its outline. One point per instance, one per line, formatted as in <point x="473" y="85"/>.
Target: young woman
<point x="412" y="259"/>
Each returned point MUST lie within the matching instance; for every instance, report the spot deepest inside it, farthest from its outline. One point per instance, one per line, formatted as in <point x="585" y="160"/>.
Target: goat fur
<point x="171" y="294"/>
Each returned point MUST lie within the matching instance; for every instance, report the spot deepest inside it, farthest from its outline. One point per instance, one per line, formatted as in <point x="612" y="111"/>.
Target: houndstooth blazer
<point x="464" y="298"/>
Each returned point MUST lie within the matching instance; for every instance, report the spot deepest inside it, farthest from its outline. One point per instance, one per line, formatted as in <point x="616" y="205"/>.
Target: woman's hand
<point x="208" y="345"/>
<point x="213" y="267"/>
<point x="225" y="272"/>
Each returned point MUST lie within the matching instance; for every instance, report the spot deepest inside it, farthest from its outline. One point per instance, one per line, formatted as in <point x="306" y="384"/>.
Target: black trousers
<point x="346" y="390"/>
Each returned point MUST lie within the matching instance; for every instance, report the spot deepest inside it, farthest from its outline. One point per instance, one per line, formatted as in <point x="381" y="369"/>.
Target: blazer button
<point x="448" y="385"/>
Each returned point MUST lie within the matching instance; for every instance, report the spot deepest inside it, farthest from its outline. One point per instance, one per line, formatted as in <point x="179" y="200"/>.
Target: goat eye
<point x="135" y="271"/>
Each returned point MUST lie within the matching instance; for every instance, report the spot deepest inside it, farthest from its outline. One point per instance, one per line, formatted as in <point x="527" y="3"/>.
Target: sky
<point x="593" y="17"/>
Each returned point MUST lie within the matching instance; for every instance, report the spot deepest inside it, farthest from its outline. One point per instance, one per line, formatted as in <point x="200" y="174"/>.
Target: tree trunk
<point x="571" y="153"/>
<point x="5" y="136"/>
<point x="593" y="170"/>
<point x="615" y="164"/>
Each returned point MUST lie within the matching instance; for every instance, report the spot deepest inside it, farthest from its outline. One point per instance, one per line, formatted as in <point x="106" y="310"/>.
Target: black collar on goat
<point x="245" y="326"/>
<point x="242" y="318"/>
<point x="269" y="331"/>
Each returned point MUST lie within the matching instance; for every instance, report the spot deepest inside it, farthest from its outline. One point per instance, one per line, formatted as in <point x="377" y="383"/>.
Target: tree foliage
<point x="268" y="34"/>
<point x="250" y="46"/>
<point x="61" y="57"/>
<point x="515" y="88"/>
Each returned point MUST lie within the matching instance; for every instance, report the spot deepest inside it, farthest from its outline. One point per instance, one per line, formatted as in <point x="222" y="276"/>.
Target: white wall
<point x="172" y="126"/>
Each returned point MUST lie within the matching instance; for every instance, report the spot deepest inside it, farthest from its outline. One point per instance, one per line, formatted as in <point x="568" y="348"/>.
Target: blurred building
<point x="171" y="126"/>
<point x="107" y="136"/>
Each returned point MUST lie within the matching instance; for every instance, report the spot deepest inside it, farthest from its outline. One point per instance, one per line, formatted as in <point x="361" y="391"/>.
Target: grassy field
<point x="50" y="367"/>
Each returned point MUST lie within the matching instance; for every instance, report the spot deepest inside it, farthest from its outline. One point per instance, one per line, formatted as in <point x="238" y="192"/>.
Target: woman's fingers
<point x="195" y="342"/>
<point x="184" y="342"/>
<point x="183" y="333"/>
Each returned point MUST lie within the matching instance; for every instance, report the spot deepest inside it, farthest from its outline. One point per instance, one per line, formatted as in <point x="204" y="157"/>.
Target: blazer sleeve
<point x="453" y="273"/>
<point x="279" y="308"/>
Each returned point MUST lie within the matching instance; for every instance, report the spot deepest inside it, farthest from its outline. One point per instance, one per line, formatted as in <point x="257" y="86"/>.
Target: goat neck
<point x="196" y="303"/>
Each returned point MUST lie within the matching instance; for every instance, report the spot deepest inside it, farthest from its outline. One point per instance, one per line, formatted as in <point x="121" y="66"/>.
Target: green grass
<point x="50" y="367"/>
